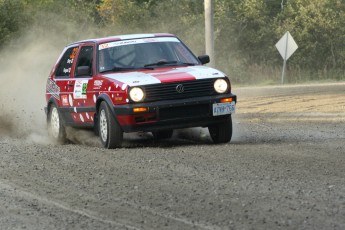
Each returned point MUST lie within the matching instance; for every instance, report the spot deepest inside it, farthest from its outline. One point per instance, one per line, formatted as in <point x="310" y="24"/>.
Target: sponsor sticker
<point x="97" y="84"/>
<point x="64" y="100"/>
<point x="137" y="41"/>
<point x="74" y="52"/>
<point x="80" y="89"/>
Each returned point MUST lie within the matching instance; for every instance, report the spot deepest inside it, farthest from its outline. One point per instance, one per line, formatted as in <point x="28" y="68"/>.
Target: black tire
<point x="96" y="125"/>
<point x="222" y="132"/>
<point x="56" y="129"/>
<point x="110" y="132"/>
<point x="162" y="134"/>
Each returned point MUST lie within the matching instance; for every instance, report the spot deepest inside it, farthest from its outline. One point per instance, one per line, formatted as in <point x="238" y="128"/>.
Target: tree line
<point x="246" y="31"/>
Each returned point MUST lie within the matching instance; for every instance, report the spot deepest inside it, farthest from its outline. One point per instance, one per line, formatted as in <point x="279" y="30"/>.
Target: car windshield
<point x="144" y="53"/>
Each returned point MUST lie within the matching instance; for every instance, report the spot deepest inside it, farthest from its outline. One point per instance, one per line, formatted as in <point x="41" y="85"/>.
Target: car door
<point x="80" y="86"/>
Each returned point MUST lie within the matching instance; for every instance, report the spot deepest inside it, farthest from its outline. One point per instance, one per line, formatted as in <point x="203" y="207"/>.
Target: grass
<point x="260" y="75"/>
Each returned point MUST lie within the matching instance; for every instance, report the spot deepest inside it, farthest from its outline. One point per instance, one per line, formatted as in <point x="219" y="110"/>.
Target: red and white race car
<point x="141" y="82"/>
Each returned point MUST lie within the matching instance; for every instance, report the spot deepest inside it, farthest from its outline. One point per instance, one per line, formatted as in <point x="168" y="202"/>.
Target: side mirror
<point x="83" y="71"/>
<point x="204" y="59"/>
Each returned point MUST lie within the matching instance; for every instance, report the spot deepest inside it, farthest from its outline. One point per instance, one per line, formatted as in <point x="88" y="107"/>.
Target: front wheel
<point x="110" y="132"/>
<point x="56" y="129"/>
<point x="222" y="132"/>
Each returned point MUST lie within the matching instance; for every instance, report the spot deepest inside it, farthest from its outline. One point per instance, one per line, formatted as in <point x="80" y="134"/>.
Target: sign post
<point x="286" y="47"/>
<point x="209" y="30"/>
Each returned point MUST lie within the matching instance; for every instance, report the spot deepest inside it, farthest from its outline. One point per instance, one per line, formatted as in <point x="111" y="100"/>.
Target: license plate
<point x="223" y="108"/>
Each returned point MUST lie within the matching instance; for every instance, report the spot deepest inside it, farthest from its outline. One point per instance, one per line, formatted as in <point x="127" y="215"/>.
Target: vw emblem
<point x="180" y="88"/>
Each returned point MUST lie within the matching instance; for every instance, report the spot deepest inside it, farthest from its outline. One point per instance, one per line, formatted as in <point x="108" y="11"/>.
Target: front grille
<point x="184" y="112"/>
<point x="168" y="91"/>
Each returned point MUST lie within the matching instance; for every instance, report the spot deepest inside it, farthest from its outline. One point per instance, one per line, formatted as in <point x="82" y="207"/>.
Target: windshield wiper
<point x="145" y="67"/>
<point x="160" y="63"/>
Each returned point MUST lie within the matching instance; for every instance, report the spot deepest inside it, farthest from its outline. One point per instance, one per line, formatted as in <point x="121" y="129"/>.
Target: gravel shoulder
<point x="284" y="169"/>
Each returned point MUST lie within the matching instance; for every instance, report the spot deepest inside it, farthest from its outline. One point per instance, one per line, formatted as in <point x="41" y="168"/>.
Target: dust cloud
<point x="25" y="65"/>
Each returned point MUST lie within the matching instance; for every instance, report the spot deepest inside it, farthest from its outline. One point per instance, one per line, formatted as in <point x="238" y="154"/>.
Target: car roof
<point x="122" y="37"/>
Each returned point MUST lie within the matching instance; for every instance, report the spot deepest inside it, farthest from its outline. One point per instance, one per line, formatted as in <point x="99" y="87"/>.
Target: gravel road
<point x="284" y="169"/>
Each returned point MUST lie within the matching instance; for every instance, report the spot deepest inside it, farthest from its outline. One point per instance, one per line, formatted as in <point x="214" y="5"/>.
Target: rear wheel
<point x="162" y="134"/>
<point x="222" y="132"/>
<point x="110" y="132"/>
<point x="56" y="129"/>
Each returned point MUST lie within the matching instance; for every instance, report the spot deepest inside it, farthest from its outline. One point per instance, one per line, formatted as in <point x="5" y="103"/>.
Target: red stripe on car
<point x="173" y="77"/>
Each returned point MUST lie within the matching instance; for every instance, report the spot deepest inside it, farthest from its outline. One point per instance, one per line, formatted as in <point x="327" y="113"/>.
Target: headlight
<point x="136" y="94"/>
<point x="221" y="86"/>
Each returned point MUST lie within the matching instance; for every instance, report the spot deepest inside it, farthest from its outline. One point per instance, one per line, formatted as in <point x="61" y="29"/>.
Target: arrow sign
<point x="286" y="47"/>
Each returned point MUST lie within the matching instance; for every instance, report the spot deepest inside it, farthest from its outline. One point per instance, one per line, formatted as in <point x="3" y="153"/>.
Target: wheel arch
<point x="104" y="97"/>
<point x="51" y="101"/>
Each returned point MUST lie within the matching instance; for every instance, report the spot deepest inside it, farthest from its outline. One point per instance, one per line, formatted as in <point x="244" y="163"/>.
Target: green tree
<point x="318" y="28"/>
<point x="12" y="19"/>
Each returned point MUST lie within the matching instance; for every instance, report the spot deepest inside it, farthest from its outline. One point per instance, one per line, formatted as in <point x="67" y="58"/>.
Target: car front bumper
<point x="170" y="114"/>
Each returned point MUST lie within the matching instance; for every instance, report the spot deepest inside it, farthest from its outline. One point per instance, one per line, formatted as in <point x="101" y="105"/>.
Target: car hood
<point x="165" y="75"/>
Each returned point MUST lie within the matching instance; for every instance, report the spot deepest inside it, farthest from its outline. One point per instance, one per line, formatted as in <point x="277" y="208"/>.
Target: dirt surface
<point x="284" y="169"/>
